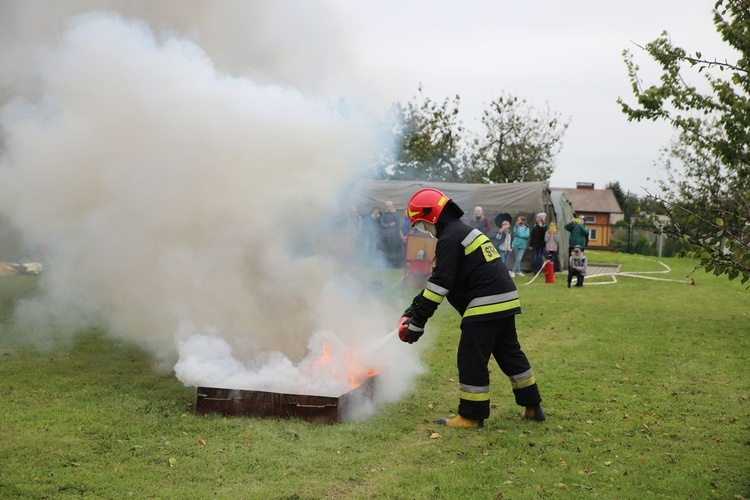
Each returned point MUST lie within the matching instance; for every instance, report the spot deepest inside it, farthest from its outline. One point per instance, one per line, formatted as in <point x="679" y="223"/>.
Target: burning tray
<point x="317" y="409"/>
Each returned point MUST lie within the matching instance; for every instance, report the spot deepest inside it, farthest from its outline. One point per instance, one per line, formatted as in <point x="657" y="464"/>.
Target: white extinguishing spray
<point x="380" y="343"/>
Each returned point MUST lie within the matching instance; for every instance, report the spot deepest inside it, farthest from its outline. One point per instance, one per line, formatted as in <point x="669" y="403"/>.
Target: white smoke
<point x="176" y="202"/>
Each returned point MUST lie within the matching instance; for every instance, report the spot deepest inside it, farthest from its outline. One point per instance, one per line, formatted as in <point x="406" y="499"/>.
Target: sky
<point x="171" y="162"/>
<point x="567" y="54"/>
<point x="563" y="54"/>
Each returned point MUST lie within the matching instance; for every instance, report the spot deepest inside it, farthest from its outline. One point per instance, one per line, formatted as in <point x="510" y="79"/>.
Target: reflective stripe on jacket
<point x="470" y="274"/>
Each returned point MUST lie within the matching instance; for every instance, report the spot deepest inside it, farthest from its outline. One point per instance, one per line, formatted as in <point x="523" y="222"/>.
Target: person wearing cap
<point x="579" y="234"/>
<point x="470" y="274"/>
<point x="536" y="242"/>
<point x="577" y="266"/>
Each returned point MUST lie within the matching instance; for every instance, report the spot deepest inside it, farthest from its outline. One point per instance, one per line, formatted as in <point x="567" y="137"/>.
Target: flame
<point x="357" y="377"/>
<point x="324" y="358"/>
<point x="353" y="370"/>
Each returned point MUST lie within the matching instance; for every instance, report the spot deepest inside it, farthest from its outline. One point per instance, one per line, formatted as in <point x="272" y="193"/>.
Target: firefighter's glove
<point x="408" y="332"/>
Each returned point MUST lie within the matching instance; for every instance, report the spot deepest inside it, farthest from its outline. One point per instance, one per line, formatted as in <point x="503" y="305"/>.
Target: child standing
<point x="577" y="266"/>
<point x="552" y="242"/>
<point x="521" y="234"/>
<point x="503" y="243"/>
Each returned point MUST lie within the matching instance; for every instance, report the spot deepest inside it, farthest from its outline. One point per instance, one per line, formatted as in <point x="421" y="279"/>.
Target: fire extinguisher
<point x="549" y="271"/>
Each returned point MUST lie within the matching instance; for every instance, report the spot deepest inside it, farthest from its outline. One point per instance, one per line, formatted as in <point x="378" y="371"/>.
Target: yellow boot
<point x="534" y="413"/>
<point x="461" y="422"/>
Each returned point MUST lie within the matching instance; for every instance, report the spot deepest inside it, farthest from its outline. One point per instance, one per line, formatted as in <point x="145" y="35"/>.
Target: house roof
<point x="592" y="200"/>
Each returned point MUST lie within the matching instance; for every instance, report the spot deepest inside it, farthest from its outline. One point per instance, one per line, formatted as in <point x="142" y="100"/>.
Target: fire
<point x="357" y="377"/>
<point x="352" y="370"/>
<point x="324" y="358"/>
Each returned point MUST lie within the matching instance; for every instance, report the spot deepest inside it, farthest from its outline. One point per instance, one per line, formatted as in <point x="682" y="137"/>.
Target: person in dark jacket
<point x="390" y="233"/>
<point x="470" y="274"/>
<point x="536" y="242"/>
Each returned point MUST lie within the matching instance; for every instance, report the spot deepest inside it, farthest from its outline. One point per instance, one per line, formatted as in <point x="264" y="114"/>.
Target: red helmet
<point x="426" y="205"/>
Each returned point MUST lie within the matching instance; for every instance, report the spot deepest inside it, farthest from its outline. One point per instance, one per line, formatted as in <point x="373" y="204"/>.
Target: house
<point x="600" y="209"/>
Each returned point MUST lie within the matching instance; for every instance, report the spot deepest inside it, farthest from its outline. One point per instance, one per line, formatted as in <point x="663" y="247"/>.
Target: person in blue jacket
<point x="521" y="233"/>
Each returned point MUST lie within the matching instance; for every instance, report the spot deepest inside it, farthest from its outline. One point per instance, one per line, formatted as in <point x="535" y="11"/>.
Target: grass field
<point x="646" y="385"/>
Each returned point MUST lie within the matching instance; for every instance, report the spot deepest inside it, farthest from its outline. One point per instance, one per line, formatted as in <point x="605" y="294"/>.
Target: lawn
<point x="646" y="384"/>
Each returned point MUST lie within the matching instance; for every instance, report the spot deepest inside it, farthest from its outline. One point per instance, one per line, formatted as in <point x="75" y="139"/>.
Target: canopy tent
<point x="521" y="198"/>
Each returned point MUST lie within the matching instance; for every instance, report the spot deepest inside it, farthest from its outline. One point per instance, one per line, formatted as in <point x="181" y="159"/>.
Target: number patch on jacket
<point x="490" y="252"/>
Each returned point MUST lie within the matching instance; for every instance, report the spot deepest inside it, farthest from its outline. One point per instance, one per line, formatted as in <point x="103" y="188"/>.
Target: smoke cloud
<point x="176" y="165"/>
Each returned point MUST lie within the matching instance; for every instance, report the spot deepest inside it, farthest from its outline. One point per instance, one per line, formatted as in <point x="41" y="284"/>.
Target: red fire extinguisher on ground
<point x="549" y="271"/>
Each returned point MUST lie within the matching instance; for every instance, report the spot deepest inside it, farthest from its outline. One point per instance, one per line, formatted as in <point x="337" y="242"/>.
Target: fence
<point x="637" y="240"/>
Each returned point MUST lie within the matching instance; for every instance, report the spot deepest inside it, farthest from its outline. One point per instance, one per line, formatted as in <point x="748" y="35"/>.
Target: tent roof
<point x="520" y="198"/>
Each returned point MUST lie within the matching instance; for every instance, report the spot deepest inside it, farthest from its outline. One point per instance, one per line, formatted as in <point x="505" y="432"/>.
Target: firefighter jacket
<point x="470" y="274"/>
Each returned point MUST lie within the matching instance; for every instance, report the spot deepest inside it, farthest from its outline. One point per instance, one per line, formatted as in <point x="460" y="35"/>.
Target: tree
<point x="520" y="143"/>
<point x="706" y="195"/>
<point x="428" y="140"/>
<point x="631" y="204"/>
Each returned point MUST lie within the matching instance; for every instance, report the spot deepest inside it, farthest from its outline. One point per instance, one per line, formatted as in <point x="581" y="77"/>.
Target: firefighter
<point x="470" y="274"/>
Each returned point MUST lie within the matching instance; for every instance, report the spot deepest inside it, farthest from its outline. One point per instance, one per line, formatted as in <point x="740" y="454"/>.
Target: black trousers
<point x="479" y="341"/>
<point x="577" y="274"/>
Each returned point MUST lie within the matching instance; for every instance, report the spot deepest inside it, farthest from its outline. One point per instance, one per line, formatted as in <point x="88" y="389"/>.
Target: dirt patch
<point x="594" y="269"/>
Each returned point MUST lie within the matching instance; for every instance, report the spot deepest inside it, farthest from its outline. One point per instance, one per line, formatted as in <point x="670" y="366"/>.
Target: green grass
<point x="646" y="386"/>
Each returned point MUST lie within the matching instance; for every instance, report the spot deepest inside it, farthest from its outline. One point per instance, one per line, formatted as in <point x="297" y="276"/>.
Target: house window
<point x="589" y="219"/>
<point x="592" y="235"/>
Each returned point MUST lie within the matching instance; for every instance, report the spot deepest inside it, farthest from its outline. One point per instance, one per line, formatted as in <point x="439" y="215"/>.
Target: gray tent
<point x="521" y="198"/>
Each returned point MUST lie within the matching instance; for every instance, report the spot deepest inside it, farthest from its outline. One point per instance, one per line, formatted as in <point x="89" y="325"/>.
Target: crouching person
<point x="577" y="266"/>
<point x="470" y="274"/>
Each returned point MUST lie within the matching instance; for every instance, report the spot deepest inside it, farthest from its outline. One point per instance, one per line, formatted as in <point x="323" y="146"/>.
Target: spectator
<point x="354" y="222"/>
<point x="521" y="235"/>
<point x="479" y="221"/>
<point x="552" y="242"/>
<point x="579" y="234"/>
<point x="372" y="231"/>
<point x="390" y="238"/>
<point x="504" y="238"/>
<point x="405" y="231"/>
<point x="577" y="266"/>
<point x="536" y="242"/>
